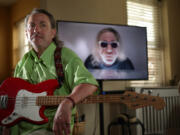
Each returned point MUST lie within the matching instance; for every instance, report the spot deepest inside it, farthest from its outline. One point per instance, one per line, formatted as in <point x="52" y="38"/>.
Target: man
<point x="38" y="65"/>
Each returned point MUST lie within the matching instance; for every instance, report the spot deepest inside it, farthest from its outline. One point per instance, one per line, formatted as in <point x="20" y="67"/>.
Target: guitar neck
<point x="56" y="100"/>
<point x="131" y="99"/>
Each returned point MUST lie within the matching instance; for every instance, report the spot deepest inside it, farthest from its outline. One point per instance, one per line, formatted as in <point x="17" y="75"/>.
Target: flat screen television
<point x="120" y="54"/>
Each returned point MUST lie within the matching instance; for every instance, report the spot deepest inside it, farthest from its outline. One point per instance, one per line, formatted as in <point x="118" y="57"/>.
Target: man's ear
<point x="53" y="33"/>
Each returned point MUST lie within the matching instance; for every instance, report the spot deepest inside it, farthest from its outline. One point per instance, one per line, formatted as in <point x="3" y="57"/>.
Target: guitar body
<point x="19" y="100"/>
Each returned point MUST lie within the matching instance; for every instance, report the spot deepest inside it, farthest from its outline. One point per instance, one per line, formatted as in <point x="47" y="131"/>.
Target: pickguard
<point x="25" y="107"/>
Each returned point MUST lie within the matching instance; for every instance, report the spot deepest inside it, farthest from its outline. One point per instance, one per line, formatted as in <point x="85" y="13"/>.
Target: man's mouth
<point x="36" y="36"/>
<point x="109" y="57"/>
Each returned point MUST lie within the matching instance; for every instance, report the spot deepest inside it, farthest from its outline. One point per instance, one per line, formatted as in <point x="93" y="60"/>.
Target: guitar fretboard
<point x="131" y="99"/>
<point x="55" y="100"/>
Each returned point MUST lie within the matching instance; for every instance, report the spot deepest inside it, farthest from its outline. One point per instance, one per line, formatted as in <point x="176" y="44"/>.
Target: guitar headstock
<point x="136" y="100"/>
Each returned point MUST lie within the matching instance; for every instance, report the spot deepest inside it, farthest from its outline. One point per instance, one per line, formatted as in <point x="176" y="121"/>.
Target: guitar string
<point x="29" y="100"/>
<point x="132" y="104"/>
<point x="49" y="100"/>
<point x="88" y="98"/>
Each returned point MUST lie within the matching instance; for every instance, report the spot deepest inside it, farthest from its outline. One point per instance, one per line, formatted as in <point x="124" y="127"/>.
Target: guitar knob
<point x="150" y="92"/>
<point x="9" y="118"/>
<point x="14" y="114"/>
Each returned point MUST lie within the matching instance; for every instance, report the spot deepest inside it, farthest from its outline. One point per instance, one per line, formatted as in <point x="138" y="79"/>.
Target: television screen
<point x="109" y="51"/>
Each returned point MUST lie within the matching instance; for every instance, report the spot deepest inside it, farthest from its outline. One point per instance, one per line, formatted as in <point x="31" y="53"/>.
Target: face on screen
<point x="108" y="48"/>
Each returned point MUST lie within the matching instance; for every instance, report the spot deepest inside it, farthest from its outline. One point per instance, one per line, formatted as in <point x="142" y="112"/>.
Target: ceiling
<point x="6" y="2"/>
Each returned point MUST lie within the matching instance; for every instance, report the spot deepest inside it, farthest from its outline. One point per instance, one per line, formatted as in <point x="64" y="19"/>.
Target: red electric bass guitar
<point x="20" y="100"/>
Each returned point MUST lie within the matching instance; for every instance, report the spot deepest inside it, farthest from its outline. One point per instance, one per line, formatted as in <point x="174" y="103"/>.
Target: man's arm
<point x="62" y="118"/>
<point x="82" y="91"/>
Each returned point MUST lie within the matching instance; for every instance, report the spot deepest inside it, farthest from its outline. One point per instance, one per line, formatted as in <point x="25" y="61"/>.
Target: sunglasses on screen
<point x="104" y="44"/>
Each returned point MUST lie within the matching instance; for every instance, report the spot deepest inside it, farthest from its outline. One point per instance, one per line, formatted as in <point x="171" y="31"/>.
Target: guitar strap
<point x="58" y="65"/>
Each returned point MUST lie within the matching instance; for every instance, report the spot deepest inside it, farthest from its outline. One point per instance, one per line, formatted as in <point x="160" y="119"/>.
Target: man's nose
<point x="36" y="29"/>
<point x="109" y="48"/>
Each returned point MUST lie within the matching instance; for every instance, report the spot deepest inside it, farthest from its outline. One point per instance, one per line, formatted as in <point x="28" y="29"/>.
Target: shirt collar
<point x="47" y="55"/>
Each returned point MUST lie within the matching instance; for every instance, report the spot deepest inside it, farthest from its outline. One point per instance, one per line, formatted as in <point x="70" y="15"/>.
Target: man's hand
<point x="62" y="119"/>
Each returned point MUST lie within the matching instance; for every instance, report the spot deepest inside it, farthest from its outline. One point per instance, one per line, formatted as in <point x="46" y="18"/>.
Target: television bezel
<point x="113" y="24"/>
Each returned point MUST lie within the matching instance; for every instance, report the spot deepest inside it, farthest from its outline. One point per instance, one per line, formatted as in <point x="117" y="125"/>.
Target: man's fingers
<point x="60" y="127"/>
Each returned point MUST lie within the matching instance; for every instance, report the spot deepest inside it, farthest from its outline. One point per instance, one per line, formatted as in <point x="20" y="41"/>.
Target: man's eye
<point x="43" y="25"/>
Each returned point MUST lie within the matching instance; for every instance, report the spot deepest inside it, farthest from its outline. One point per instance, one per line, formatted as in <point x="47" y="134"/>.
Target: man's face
<point x="39" y="31"/>
<point x="108" y="48"/>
